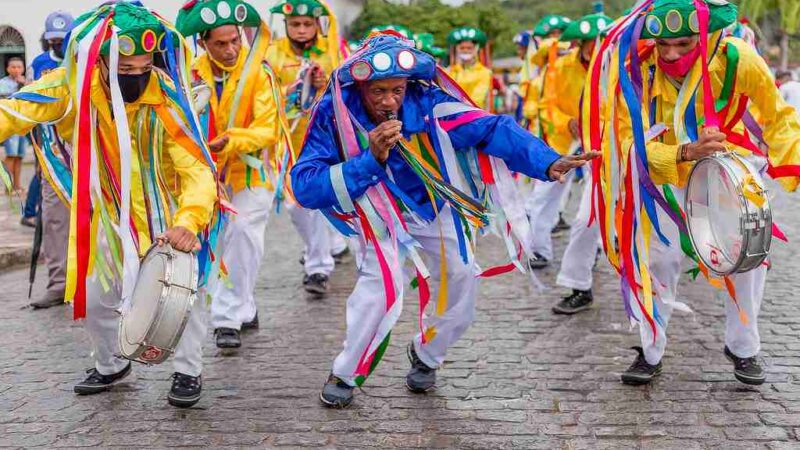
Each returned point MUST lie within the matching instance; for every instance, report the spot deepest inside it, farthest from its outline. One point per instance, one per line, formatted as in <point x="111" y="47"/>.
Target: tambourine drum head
<point x="145" y="298"/>
<point x="714" y="219"/>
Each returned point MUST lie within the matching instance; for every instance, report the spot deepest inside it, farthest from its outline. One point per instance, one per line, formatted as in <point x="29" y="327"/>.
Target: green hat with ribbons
<point x="550" y="23"/>
<point x="587" y="28"/>
<point x="139" y="31"/>
<point x="426" y="43"/>
<point x="200" y="16"/>
<point x="678" y="18"/>
<point x="403" y="30"/>
<point x="466" y="34"/>
<point x="311" y="8"/>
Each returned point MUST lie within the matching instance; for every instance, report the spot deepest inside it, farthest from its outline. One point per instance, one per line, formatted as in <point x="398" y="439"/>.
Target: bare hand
<point x="21" y="80"/>
<point x="318" y="79"/>
<point x="711" y="141"/>
<point x="383" y="138"/>
<point x="180" y="239"/>
<point x="573" y="128"/>
<point x="559" y="169"/>
<point x="218" y="144"/>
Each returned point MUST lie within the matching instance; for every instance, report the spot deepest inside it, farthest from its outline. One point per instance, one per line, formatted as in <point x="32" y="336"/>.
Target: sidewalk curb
<point x="15" y="257"/>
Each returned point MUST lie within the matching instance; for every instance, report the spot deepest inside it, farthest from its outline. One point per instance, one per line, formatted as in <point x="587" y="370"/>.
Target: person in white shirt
<point x="789" y="88"/>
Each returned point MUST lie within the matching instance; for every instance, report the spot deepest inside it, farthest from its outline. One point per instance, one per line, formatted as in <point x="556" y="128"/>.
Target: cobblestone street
<point x="520" y="378"/>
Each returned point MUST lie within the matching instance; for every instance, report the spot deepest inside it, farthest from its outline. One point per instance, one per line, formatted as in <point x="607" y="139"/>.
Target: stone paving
<point x="520" y="378"/>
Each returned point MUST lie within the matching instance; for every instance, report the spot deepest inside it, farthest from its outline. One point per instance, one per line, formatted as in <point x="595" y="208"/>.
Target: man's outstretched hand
<point x="558" y="170"/>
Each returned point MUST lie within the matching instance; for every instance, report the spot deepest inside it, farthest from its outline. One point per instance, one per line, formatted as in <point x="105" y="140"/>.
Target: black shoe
<point x="538" y="261"/>
<point x="339" y="258"/>
<point x="420" y="378"/>
<point x="746" y="370"/>
<point x="185" y="391"/>
<point x="316" y="284"/>
<point x="252" y="325"/>
<point x="48" y="301"/>
<point x="640" y="372"/>
<point x="576" y="302"/>
<point x="336" y="393"/>
<point x="96" y="382"/>
<point x="29" y="222"/>
<point x="561" y="225"/>
<point x="227" y="338"/>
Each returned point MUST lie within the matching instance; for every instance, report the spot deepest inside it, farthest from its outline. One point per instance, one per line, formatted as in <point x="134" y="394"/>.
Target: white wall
<point x="28" y="16"/>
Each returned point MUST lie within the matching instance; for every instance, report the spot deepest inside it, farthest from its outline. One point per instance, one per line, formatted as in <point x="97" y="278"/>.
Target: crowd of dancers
<point x="377" y="151"/>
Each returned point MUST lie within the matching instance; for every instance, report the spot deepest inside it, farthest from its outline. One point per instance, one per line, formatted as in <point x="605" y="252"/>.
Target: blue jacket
<point x="43" y="64"/>
<point x="498" y="136"/>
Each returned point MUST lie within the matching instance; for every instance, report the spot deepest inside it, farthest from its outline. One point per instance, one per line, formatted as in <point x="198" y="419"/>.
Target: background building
<point x="22" y="21"/>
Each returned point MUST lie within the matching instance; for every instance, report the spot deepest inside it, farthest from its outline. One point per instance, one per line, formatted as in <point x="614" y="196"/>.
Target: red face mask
<point x="681" y="66"/>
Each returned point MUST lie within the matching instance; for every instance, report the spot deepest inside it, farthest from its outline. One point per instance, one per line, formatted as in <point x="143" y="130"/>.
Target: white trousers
<point x="366" y="305"/>
<point x="102" y="324"/>
<point x="580" y="254"/>
<point x="318" y="237"/>
<point x="545" y="202"/>
<point x="666" y="266"/>
<point x="233" y="301"/>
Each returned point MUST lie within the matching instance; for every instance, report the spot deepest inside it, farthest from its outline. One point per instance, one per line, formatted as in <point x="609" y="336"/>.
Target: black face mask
<point x="132" y="86"/>
<point x="58" y="51"/>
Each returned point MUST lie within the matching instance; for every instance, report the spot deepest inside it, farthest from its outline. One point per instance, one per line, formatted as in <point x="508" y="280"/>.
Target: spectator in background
<point x="789" y="88"/>
<point x="15" y="145"/>
<point x="56" y="26"/>
<point x="55" y="215"/>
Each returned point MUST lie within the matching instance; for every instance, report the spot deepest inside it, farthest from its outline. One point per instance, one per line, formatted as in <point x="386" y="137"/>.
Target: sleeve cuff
<point x="369" y="168"/>
<point x="185" y="222"/>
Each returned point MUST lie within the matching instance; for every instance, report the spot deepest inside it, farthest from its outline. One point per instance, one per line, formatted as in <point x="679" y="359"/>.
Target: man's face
<point x="555" y="34"/>
<point x="587" y="48"/>
<point x="55" y="43"/>
<point x="15" y="69"/>
<point x="301" y="28"/>
<point x="522" y="51"/>
<point x="129" y="65"/>
<point x="672" y="49"/>
<point x="382" y="97"/>
<point x="223" y="44"/>
<point x="466" y="48"/>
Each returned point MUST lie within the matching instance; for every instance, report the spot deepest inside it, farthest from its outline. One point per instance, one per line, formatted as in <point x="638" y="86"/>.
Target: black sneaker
<point x="227" y="338"/>
<point x="336" y="393"/>
<point x="576" y="302"/>
<point x="538" y="261"/>
<point x="316" y="284"/>
<point x="746" y="370"/>
<point x="96" y="382"/>
<point x="185" y="391"/>
<point x="561" y="225"/>
<point x="420" y="378"/>
<point x="640" y="372"/>
<point x="252" y="325"/>
<point x="340" y="257"/>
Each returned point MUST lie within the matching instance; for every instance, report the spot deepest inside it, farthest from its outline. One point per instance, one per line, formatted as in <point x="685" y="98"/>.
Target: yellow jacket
<point x="190" y="180"/>
<point x="530" y="106"/>
<point x="561" y="101"/>
<point x="540" y="56"/>
<point x="781" y="123"/>
<point x="260" y="127"/>
<point x="476" y="81"/>
<point x="287" y="64"/>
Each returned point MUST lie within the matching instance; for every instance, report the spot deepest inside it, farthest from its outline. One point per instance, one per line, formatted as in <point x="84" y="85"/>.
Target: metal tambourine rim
<point x="720" y="159"/>
<point x="166" y="287"/>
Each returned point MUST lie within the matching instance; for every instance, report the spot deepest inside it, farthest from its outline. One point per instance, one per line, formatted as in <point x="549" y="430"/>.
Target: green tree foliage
<point x="500" y="19"/>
